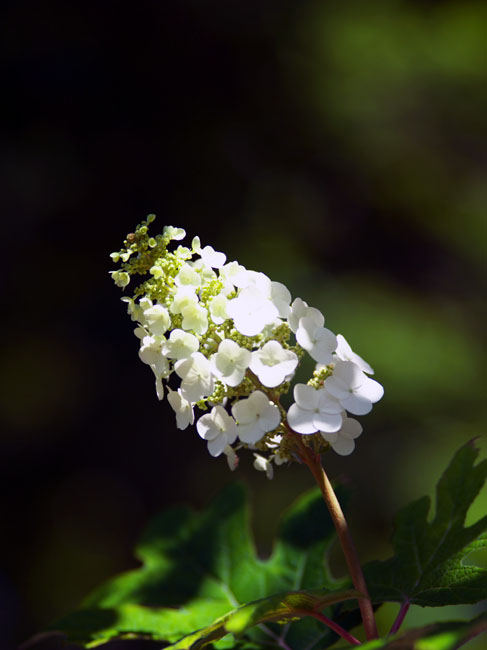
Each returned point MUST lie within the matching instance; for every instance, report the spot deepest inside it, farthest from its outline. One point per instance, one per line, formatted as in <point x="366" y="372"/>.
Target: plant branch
<point x="313" y="461"/>
<point x="400" y="617"/>
<point x="338" y="629"/>
<point x="473" y="632"/>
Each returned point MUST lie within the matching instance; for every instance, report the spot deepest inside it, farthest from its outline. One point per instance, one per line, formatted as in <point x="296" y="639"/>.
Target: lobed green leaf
<point x="281" y="608"/>
<point x="201" y="581"/>
<point x="429" y="565"/>
<point x="197" y="567"/>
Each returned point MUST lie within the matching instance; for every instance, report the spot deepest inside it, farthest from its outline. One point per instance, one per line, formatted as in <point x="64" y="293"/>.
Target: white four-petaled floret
<point x="255" y="416"/>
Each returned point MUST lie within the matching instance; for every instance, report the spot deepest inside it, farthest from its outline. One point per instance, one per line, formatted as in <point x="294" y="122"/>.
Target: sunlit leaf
<point x="280" y="607"/>
<point x="197" y="567"/>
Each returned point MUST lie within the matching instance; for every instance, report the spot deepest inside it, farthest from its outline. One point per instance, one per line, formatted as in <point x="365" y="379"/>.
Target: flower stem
<point x="400" y="617"/>
<point x="338" y="629"/>
<point x="313" y="461"/>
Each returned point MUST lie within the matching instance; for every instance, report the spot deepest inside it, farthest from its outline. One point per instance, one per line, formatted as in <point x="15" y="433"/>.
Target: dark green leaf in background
<point x="438" y="636"/>
<point x="428" y="566"/>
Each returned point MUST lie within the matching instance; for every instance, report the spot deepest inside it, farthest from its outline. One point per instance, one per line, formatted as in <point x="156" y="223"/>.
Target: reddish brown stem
<point x="400" y="617"/>
<point x="313" y="461"/>
<point x="338" y="629"/>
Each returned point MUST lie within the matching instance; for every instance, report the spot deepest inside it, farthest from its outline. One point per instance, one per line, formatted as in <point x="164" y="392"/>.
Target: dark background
<point x="337" y="146"/>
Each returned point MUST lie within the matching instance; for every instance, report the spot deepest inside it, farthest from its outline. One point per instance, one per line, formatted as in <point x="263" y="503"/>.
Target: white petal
<point x="174" y="233"/>
<point x="218" y="309"/>
<point x="324" y="345"/>
<point x="231" y="434"/>
<point x="260" y="281"/>
<point x="327" y="403"/>
<point x="345" y="352"/>
<point x="306" y="396"/>
<point x="235" y="378"/>
<point x="216" y="446"/>
<point x="329" y="437"/>
<point x="349" y="373"/>
<point x="159" y="388"/>
<point x="263" y="465"/>
<point x="304" y="337"/>
<point x="181" y="344"/>
<point x="213" y="258"/>
<point x="337" y="387"/>
<point x="158" y="319"/>
<point x="251" y="311"/>
<point x="244" y="412"/>
<point x="351" y="428"/>
<point x="270" y="417"/>
<point x="372" y="390"/>
<point x="312" y="319"/>
<point x="357" y="405"/>
<point x="206" y="427"/>
<point x="271" y="376"/>
<point x="249" y="433"/>
<point x="343" y="446"/>
<point x="232" y="458"/>
<point x="327" y="422"/>
<point x="193" y="392"/>
<point x="298" y="310"/>
<point x="187" y="277"/>
<point x="281" y="298"/>
<point x="235" y="273"/>
<point x="182" y="408"/>
<point x="300" y="420"/>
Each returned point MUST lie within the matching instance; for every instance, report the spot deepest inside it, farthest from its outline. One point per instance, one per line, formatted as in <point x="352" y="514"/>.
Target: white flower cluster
<point x="229" y="341"/>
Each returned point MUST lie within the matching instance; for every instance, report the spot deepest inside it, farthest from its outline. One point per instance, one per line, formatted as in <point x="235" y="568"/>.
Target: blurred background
<point x="336" y="146"/>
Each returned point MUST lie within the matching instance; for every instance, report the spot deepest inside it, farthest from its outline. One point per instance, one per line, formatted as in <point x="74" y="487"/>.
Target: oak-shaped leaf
<point x="282" y="608"/>
<point x="429" y="567"/>
<point x="197" y="567"/>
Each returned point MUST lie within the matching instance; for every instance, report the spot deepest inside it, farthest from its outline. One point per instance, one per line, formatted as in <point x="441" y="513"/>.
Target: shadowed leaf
<point x="428" y="567"/>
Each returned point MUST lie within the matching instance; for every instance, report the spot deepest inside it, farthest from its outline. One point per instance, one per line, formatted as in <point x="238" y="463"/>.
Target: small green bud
<point x="120" y="278"/>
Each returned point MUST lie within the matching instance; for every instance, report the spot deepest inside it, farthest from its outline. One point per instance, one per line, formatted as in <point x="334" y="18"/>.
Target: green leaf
<point x="282" y="608"/>
<point x="197" y="567"/>
<point x="428" y="567"/>
<point x="98" y="625"/>
<point x="438" y="636"/>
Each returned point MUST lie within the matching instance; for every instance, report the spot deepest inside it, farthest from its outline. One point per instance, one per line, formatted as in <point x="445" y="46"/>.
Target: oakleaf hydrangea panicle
<point x="227" y="341"/>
